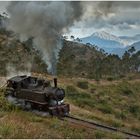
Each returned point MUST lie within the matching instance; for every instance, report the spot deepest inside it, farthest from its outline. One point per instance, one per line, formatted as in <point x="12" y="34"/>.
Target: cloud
<point x="124" y="15"/>
<point x="45" y="22"/>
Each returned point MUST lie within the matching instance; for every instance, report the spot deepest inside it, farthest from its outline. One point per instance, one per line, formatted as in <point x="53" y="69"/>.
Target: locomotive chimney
<point x="55" y="82"/>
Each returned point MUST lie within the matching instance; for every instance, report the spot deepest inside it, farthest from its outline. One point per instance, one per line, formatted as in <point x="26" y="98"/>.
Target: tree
<point x="65" y="37"/>
<point x="72" y="37"/>
<point x="78" y="39"/>
<point x="132" y="49"/>
<point x="88" y="44"/>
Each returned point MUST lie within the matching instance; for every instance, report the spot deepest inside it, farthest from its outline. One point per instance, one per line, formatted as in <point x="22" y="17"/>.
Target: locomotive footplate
<point x="59" y="110"/>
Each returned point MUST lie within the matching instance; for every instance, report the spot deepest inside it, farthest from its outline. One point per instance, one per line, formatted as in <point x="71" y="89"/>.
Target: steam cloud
<point x="12" y="71"/>
<point x="45" y="22"/>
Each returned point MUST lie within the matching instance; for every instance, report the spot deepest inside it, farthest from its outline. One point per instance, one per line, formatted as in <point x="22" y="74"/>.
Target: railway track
<point x="94" y="125"/>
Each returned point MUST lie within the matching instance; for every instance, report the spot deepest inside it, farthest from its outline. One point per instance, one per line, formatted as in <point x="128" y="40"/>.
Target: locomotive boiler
<point x="36" y="93"/>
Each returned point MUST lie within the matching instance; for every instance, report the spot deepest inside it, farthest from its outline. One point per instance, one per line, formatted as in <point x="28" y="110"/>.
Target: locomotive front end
<point x="55" y="97"/>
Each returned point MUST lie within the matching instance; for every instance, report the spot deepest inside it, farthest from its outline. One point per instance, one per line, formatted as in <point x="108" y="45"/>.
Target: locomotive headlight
<point x="60" y="102"/>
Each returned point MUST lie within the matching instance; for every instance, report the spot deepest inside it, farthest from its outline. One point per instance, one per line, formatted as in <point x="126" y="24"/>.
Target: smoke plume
<point x="45" y="22"/>
<point x="11" y="70"/>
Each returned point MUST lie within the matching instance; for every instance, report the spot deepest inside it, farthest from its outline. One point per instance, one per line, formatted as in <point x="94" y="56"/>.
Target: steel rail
<point x="94" y="125"/>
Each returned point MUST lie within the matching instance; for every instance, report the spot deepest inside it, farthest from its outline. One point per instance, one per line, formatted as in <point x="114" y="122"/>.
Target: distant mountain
<point x="136" y="45"/>
<point x="121" y="51"/>
<point x="131" y="39"/>
<point x="111" y="43"/>
<point x="104" y="40"/>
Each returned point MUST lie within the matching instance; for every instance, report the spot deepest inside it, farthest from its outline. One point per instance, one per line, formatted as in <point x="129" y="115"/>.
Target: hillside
<point x="18" y="57"/>
<point x="54" y="84"/>
<point x="79" y="60"/>
<point x="114" y="103"/>
<point x="75" y="59"/>
<point x="109" y="101"/>
<point x="21" y="57"/>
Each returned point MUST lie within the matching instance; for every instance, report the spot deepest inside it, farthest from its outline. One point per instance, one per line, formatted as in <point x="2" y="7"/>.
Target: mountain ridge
<point x="111" y="43"/>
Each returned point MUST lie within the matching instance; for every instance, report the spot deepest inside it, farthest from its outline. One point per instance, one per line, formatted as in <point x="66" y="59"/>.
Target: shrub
<point x="110" y="78"/>
<point x="121" y="115"/>
<point x="82" y="84"/>
<point x="134" y="109"/>
<point x="71" y="89"/>
<point x="126" y="91"/>
<point x="116" y="123"/>
<point x="125" y="88"/>
<point x="4" y="104"/>
<point x="136" y="129"/>
<point x="105" y="108"/>
<point x="99" y="135"/>
<point x="72" y="92"/>
<point x="81" y="99"/>
<point x="92" y="90"/>
<point x="5" y="130"/>
<point x="122" y="76"/>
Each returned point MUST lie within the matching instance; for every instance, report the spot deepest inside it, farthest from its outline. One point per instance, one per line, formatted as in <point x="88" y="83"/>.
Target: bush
<point x="121" y="115"/>
<point x="122" y="76"/>
<point x="105" y="108"/>
<point x="82" y="84"/>
<point x="99" y="135"/>
<point x="110" y="78"/>
<point x="81" y="99"/>
<point x="73" y="93"/>
<point x="92" y="90"/>
<point x="4" y="104"/>
<point x="134" y="109"/>
<point x="116" y="123"/>
<point x="135" y="129"/>
<point x="127" y="91"/>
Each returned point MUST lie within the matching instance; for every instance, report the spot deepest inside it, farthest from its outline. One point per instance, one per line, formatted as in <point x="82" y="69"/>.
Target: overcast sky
<point x="119" y="18"/>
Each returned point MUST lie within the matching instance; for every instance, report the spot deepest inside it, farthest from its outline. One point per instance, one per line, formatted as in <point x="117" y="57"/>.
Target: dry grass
<point x="121" y="96"/>
<point x="27" y="125"/>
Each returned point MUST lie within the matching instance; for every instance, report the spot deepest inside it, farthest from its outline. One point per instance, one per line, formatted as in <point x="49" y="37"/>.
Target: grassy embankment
<point x="115" y="103"/>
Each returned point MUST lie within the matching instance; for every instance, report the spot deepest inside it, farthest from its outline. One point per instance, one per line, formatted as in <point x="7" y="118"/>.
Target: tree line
<point x="99" y="64"/>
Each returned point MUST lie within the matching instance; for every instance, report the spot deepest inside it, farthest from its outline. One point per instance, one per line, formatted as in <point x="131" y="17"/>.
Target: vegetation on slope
<point x="111" y="102"/>
<point x="17" y="56"/>
<point x="79" y="60"/>
<point x="75" y="59"/>
<point x="15" y="123"/>
<point x="115" y="104"/>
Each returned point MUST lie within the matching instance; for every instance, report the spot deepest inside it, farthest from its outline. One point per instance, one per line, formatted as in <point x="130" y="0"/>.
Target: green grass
<point x="19" y="125"/>
<point x="79" y="98"/>
<point x="116" y="105"/>
<point x="112" y="104"/>
<point x="82" y="84"/>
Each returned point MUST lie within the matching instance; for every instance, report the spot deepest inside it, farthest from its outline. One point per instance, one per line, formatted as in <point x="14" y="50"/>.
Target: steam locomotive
<point x="36" y="93"/>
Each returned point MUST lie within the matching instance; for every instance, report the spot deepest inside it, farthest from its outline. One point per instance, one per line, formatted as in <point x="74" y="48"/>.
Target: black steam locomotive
<point x="36" y="93"/>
